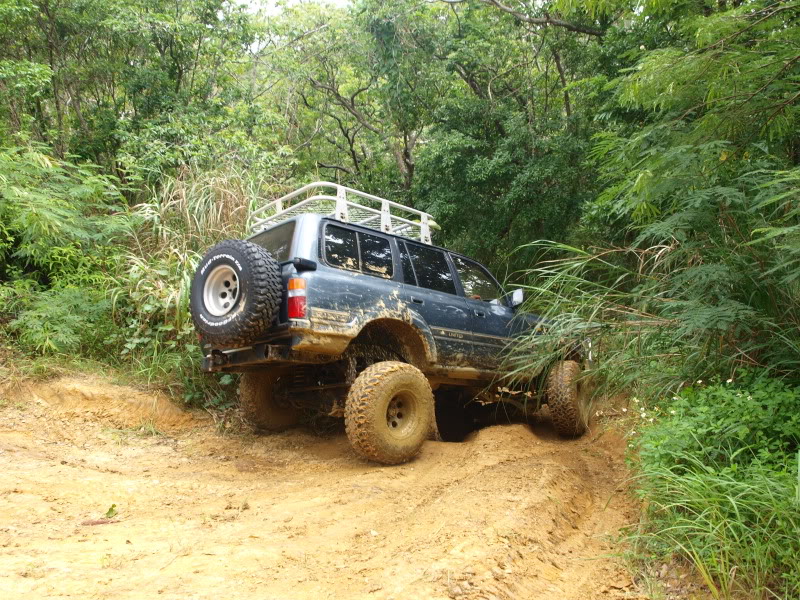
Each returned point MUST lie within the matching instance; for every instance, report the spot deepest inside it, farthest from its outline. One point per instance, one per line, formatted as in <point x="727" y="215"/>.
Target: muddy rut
<point x="512" y="512"/>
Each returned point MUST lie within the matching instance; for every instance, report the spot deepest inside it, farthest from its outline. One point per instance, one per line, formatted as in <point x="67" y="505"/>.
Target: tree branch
<point x="322" y="165"/>
<point x="541" y="21"/>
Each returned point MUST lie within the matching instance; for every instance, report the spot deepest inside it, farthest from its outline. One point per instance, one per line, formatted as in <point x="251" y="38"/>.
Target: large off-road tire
<point x="566" y="398"/>
<point x="236" y="293"/>
<point x="261" y="402"/>
<point x="389" y="412"/>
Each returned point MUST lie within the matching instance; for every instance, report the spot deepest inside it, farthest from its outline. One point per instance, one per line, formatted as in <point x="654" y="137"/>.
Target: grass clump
<point x="721" y="478"/>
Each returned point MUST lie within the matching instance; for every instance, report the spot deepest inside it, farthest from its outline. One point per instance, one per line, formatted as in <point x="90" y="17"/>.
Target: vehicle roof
<point x="320" y="217"/>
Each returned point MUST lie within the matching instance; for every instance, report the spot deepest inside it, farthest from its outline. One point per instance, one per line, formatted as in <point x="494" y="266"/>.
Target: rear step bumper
<point x="258" y="354"/>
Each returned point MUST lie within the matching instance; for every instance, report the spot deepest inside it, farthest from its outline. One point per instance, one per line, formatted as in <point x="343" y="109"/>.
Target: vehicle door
<point x="430" y="289"/>
<point x="490" y="318"/>
<point x="361" y="280"/>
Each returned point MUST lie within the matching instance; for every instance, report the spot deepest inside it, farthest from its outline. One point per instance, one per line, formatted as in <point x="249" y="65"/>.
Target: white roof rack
<point x="371" y="211"/>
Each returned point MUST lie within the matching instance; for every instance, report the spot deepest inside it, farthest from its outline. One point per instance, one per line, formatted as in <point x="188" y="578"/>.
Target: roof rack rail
<point x="372" y="211"/>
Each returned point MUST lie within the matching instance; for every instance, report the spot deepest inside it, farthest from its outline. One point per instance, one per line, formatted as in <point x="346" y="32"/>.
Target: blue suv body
<point x="436" y="309"/>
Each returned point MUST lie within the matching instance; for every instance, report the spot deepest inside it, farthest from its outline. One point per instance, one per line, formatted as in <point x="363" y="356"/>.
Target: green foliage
<point x="519" y="180"/>
<point x="699" y="195"/>
<point x="719" y="475"/>
<point x="730" y="425"/>
<point x="55" y="215"/>
<point x="68" y="320"/>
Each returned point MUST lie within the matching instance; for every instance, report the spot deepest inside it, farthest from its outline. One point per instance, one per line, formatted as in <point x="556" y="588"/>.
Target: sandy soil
<point x="513" y="512"/>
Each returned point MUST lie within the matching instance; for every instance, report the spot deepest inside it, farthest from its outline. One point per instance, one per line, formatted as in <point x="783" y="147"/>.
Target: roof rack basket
<point x="371" y="211"/>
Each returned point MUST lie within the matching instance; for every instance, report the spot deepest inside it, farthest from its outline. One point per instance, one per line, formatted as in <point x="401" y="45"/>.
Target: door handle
<point x="479" y="313"/>
<point x="417" y="300"/>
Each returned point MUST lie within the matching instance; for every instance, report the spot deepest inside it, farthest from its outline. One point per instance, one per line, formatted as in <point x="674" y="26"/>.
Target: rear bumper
<point x="243" y="359"/>
<point x="299" y="341"/>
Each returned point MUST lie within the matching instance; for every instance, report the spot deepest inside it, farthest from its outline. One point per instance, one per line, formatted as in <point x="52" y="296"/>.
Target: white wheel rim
<point x="221" y="290"/>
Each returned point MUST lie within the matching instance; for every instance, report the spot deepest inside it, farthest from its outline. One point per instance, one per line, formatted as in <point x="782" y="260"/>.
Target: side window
<point x="341" y="248"/>
<point x="357" y="251"/>
<point x="432" y="269"/>
<point x="376" y="255"/>
<point x="405" y="261"/>
<point x="476" y="281"/>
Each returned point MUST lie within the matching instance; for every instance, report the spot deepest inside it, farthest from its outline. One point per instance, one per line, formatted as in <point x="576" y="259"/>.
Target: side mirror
<point x="517" y="297"/>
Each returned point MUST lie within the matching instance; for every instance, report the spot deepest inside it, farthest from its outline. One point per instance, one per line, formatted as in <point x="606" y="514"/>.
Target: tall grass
<point x="660" y="316"/>
<point x="739" y="529"/>
<point x="168" y="234"/>
<point x="706" y="290"/>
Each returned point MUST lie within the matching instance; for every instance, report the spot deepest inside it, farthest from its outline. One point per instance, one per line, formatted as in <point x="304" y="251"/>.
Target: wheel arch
<point x="414" y="342"/>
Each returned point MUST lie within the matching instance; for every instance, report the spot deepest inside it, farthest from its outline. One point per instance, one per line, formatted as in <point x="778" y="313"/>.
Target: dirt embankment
<point x="512" y="512"/>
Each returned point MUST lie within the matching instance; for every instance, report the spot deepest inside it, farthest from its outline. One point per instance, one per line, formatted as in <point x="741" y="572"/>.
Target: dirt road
<point x="512" y="512"/>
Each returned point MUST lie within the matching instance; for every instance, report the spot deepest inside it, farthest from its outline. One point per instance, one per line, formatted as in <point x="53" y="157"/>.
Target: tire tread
<point x="360" y="399"/>
<point x="564" y="400"/>
<point x="265" y="287"/>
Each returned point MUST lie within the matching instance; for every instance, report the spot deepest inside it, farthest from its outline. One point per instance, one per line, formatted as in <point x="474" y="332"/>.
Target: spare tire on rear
<point x="236" y="293"/>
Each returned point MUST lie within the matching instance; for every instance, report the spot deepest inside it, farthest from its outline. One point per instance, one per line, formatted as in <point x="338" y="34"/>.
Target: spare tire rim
<point x="221" y="290"/>
<point x="401" y="415"/>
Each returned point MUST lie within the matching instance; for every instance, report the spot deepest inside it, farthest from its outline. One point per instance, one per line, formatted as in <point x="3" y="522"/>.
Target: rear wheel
<point x="566" y="398"/>
<point x="264" y="402"/>
<point x="389" y="412"/>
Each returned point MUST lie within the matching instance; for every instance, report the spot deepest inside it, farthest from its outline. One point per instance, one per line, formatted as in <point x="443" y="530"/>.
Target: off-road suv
<point x="345" y="308"/>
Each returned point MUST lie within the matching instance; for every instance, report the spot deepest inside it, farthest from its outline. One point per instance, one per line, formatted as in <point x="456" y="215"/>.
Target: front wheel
<point x="389" y="412"/>
<point x="566" y="398"/>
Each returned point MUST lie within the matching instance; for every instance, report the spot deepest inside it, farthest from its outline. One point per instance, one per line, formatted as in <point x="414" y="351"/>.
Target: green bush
<point x="56" y="217"/>
<point x="67" y="320"/>
<point x="754" y="419"/>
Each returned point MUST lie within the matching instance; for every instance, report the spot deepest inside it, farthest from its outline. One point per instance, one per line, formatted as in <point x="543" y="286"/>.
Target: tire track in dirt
<point x="513" y="512"/>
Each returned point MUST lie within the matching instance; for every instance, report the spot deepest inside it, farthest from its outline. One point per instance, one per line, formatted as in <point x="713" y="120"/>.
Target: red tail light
<point x="297" y="298"/>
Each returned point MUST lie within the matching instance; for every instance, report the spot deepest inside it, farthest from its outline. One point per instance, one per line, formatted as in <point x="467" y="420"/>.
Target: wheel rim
<point x="401" y="415"/>
<point x="221" y="290"/>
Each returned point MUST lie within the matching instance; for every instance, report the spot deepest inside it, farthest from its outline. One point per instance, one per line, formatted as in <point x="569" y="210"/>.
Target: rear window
<point x="277" y="241"/>
<point x="431" y="268"/>
<point x="358" y="251"/>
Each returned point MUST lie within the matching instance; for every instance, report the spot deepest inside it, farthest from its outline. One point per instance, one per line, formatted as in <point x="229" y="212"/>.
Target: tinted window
<point x="476" y="281"/>
<point x="341" y="248"/>
<point x="431" y="268"/>
<point x="277" y="241"/>
<point x="376" y="255"/>
<point x="405" y="261"/>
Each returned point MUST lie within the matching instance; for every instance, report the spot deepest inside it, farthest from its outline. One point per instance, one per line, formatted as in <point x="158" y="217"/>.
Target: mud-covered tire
<point x="259" y="405"/>
<point x="388" y="413"/>
<point x="254" y="275"/>
<point x="566" y="398"/>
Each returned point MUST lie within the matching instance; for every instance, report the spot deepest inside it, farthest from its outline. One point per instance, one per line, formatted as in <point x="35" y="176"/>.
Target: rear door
<point x="361" y="277"/>
<point x="491" y="320"/>
<point x="431" y="291"/>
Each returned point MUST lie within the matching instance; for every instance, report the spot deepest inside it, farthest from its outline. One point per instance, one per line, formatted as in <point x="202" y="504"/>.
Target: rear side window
<point x="476" y="281"/>
<point x="376" y="255"/>
<point x="277" y="241"/>
<point x="358" y="251"/>
<point x="341" y="248"/>
<point x="431" y="268"/>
